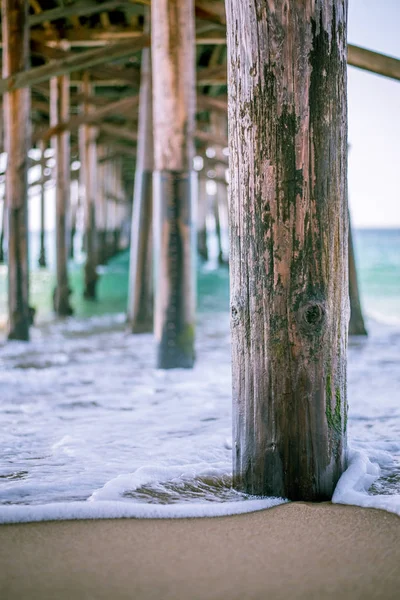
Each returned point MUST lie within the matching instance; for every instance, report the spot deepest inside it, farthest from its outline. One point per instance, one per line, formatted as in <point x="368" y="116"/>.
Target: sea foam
<point x="361" y="473"/>
<point x="91" y="430"/>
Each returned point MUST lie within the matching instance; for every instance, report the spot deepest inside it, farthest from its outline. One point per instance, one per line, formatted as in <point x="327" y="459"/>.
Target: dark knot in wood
<point x="235" y="314"/>
<point x="312" y="317"/>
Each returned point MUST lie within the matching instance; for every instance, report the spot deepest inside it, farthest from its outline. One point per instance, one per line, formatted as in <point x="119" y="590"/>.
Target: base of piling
<point x="202" y="248"/>
<point x="61" y="303"/>
<point x="91" y="278"/>
<point x="42" y="260"/>
<point x="19" y="329"/>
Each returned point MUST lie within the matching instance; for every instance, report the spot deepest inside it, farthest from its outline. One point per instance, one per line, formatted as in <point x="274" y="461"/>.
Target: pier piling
<point x="288" y="230"/>
<point x="174" y="94"/>
<point x="17" y="132"/>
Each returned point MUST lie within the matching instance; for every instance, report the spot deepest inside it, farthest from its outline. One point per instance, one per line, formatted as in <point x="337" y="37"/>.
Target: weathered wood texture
<point x="42" y="251"/>
<point x="173" y="66"/>
<point x="140" y="301"/>
<point x="87" y="156"/>
<point x="59" y="112"/>
<point x="356" y="325"/>
<point x="288" y="228"/>
<point x="16" y="107"/>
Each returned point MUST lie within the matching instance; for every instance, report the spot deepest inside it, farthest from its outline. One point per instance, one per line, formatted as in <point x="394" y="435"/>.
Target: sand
<point x="292" y="551"/>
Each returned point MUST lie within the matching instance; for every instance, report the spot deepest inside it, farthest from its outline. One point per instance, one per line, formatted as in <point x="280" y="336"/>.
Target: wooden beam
<point x="212" y="75"/>
<point x="212" y="103"/>
<point x="16" y="114"/>
<point x="117" y="150"/>
<point x="205" y="9"/>
<point x="210" y="11"/>
<point x="86" y="37"/>
<point x="81" y="61"/>
<point x="92" y="117"/>
<point x="80" y="9"/>
<point x="211" y="138"/>
<point x="129" y="75"/>
<point x="119" y="132"/>
<point x="373" y="62"/>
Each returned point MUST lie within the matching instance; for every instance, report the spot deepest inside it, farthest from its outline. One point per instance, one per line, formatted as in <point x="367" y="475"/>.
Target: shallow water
<point x="86" y="416"/>
<point x="91" y="429"/>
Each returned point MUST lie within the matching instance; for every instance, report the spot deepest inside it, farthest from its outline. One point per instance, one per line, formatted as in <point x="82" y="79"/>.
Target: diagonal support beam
<point x="81" y="61"/>
<point x="119" y="107"/>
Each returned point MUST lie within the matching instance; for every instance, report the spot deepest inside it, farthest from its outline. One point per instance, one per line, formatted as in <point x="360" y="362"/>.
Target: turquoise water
<point x="378" y="262"/>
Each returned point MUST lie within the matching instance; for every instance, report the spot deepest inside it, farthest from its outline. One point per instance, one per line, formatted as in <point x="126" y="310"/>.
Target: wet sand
<point x="291" y="551"/>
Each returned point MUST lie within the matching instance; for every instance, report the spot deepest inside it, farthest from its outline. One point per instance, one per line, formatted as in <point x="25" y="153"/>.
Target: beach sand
<point x="295" y="551"/>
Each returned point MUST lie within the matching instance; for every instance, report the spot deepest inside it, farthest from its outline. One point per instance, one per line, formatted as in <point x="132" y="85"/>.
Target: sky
<point x="374" y="118"/>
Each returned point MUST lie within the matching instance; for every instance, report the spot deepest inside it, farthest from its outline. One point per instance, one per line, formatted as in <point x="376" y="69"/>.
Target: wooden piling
<point x="218" y="233"/>
<point x="140" y="301"/>
<point x="88" y="160"/>
<point x="59" y="112"/>
<point x="110" y="207"/>
<point x="356" y="325"/>
<point x="118" y="203"/>
<point x="42" y="251"/>
<point x="173" y="66"/>
<point x="202" y="208"/>
<point x="221" y="206"/>
<point x="101" y="215"/>
<point x="3" y="228"/>
<point x="16" y="106"/>
<point x="75" y="202"/>
<point x="289" y="284"/>
<point x="219" y="128"/>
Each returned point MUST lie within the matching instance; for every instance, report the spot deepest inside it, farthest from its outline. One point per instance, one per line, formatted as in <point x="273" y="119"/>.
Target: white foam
<point x="384" y="319"/>
<point x="68" y="511"/>
<point x="154" y="474"/>
<point x="353" y="486"/>
<point x="70" y="429"/>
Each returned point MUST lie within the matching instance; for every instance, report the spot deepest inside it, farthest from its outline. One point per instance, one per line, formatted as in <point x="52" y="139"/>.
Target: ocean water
<point x="90" y="429"/>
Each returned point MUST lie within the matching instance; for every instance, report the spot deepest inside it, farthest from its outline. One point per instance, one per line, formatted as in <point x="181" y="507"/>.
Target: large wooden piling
<point x="288" y="229"/>
<point x="140" y="301"/>
<point x="59" y="112"/>
<point x="16" y="107"/>
<point x="173" y="66"/>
